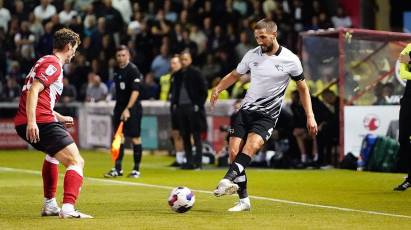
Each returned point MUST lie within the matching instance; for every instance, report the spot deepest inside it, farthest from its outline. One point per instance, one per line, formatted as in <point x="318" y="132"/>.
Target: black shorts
<point x="189" y="119"/>
<point x="132" y="127"/>
<point x="246" y="122"/>
<point x="53" y="137"/>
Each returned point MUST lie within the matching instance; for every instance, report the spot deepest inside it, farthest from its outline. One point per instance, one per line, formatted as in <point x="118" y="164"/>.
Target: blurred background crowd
<point x="216" y="32"/>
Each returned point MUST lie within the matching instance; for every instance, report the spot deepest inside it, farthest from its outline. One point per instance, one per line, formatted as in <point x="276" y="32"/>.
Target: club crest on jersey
<point x="279" y="68"/>
<point x="50" y="70"/>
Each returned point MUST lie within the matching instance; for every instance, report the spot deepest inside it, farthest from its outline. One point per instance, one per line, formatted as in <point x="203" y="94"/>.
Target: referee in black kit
<point x="127" y="79"/>
<point x="188" y="96"/>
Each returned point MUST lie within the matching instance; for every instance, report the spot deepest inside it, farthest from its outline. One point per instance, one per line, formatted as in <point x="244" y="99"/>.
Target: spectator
<point x="11" y="91"/>
<point x="45" y="10"/>
<point x="150" y="88"/>
<point x="68" y="13"/>
<point x="124" y="7"/>
<point x="243" y="46"/>
<point x="69" y="93"/>
<point x="45" y="44"/>
<point x="24" y="41"/>
<point x="210" y="69"/>
<point x="161" y="63"/>
<point x="5" y="17"/>
<point x="341" y="19"/>
<point x="96" y="90"/>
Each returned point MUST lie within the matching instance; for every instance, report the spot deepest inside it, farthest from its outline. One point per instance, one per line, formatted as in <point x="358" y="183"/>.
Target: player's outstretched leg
<point x="226" y="186"/>
<point x="50" y="174"/>
<point x="73" y="179"/>
<point x="244" y="202"/>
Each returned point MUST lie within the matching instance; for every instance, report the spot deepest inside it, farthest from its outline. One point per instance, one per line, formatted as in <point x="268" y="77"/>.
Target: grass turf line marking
<point x="108" y="181"/>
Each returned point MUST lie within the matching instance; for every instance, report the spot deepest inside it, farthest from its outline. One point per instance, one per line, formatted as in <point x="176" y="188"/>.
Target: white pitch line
<point x="108" y="181"/>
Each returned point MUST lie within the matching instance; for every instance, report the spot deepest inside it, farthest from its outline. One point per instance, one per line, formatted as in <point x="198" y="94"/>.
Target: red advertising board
<point x="10" y="140"/>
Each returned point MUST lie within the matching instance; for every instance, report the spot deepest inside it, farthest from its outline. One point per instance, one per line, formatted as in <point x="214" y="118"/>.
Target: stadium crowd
<point x="216" y="33"/>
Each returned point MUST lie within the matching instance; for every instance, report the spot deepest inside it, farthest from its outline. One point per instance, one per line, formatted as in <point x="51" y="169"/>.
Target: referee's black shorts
<point x="132" y="127"/>
<point x="246" y="122"/>
<point x="53" y="137"/>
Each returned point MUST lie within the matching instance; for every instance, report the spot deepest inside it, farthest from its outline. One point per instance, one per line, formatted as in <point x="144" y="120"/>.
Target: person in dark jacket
<point x="189" y="93"/>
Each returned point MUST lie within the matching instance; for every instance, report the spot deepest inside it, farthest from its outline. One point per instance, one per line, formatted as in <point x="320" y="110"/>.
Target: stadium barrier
<point x="94" y="126"/>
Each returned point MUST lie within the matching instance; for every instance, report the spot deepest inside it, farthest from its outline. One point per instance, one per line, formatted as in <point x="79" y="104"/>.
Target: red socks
<point x="50" y="175"/>
<point x="72" y="184"/>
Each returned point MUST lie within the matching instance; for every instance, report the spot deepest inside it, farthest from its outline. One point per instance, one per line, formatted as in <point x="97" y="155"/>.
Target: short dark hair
<point x="267" y="24"/>
<point x="121" y="48"/>
<point x="65" y="36"/>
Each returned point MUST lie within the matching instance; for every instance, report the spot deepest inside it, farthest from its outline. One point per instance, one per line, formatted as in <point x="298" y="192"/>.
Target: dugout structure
<point x="354" y="63"/>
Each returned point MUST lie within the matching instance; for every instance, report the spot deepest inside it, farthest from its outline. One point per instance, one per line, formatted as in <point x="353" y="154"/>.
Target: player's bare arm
<point x="66" y="120"/>
<point x="306" y="102"/>
<point x="226" y="82"/>
<point x="133" y="98"/>
<point x="32" y="131"/>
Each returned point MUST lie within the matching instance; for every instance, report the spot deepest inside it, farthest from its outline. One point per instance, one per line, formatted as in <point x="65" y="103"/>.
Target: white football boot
<point x="242" y="205"/>
<point x="50" y="208"/>
<point x="74" y="214"/>
<point x="225" y="187"/>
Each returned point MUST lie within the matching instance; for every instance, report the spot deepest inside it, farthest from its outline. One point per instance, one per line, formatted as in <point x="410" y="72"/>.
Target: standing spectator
<point x="161" y="63"/>
<point x="189" y="92"/>
<point x="341" y="19"/>
<point x="5" y="17"/>
<point x="96" y="90"/>
<point x="45" y="10"/>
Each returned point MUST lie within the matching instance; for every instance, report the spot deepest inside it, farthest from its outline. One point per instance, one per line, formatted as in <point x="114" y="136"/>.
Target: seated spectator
<point x="161" y="63"/>
<point x="45" y="10"/>
<point x="150" y="89"/>
<point x="11" y="91"/>
<point x="69" y="93"/>
<point x="96" y="90"/>
<point x="341" y="19"/>
<point x="67" y="13"/>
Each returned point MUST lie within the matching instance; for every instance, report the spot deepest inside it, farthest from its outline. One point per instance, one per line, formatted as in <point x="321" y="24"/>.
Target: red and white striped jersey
<point x="49" y="72"/>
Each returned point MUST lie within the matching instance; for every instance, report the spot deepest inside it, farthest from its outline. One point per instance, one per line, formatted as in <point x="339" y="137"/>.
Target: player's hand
<point x="125" y="115"/>
<point x="32" y="133"/>
<point x="312" y="126"/>
<point x="214" y="96"/>
<point x="67" y="121"/>
<point x="404" y="58"/>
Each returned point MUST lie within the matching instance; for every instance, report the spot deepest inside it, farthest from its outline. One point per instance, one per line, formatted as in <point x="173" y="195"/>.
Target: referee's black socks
<point x="137" y="152"/>
<point x="119" y="159"/>
<point x="237" y="167"/>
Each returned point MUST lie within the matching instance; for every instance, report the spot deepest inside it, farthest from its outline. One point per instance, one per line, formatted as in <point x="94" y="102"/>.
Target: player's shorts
<point x="132" y="127"/>
<point x="246" y="122"/>
<point x="53" y="137"/>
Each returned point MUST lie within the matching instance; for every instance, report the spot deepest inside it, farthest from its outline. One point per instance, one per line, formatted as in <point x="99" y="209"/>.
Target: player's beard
<point x="267" y="49"/>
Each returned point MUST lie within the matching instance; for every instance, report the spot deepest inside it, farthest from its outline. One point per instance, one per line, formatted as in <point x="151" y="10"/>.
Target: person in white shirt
<point x="271" y="67"/>
<point x="5" y="17"/>
<point x="67" y="14"/>
<point x="45" y="10"/>
<point x="341" y="20"/>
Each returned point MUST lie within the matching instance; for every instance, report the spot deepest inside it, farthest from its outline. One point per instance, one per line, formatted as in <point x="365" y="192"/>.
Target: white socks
<point x="180" y="157"/>
<point x="67" y="208"/>
<point x="245" y="200"/>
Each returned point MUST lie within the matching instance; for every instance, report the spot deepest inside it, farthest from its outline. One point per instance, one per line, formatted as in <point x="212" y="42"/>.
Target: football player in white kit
<point x="271" y="67"/>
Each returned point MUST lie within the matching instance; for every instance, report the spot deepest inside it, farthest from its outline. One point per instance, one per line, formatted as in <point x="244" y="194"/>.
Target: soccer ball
<point x="181" y="199"/>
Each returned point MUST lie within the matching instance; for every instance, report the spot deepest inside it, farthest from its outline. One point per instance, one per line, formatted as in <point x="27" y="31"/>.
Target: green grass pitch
<point x="281" y="199"/>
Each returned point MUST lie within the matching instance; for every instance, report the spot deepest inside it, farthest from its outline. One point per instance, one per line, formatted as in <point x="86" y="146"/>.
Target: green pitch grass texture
<point x="136" y="205"/>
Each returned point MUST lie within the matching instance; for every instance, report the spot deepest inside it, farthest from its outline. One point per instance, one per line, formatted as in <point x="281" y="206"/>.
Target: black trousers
<point x="405" y="135"/>
<point x="190" y="124"/>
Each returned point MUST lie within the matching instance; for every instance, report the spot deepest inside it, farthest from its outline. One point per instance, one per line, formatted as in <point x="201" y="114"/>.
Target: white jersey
<point x="270" y="76"/>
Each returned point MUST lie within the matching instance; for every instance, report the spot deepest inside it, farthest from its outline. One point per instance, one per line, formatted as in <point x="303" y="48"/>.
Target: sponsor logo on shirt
<point x="50" y="70"/>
